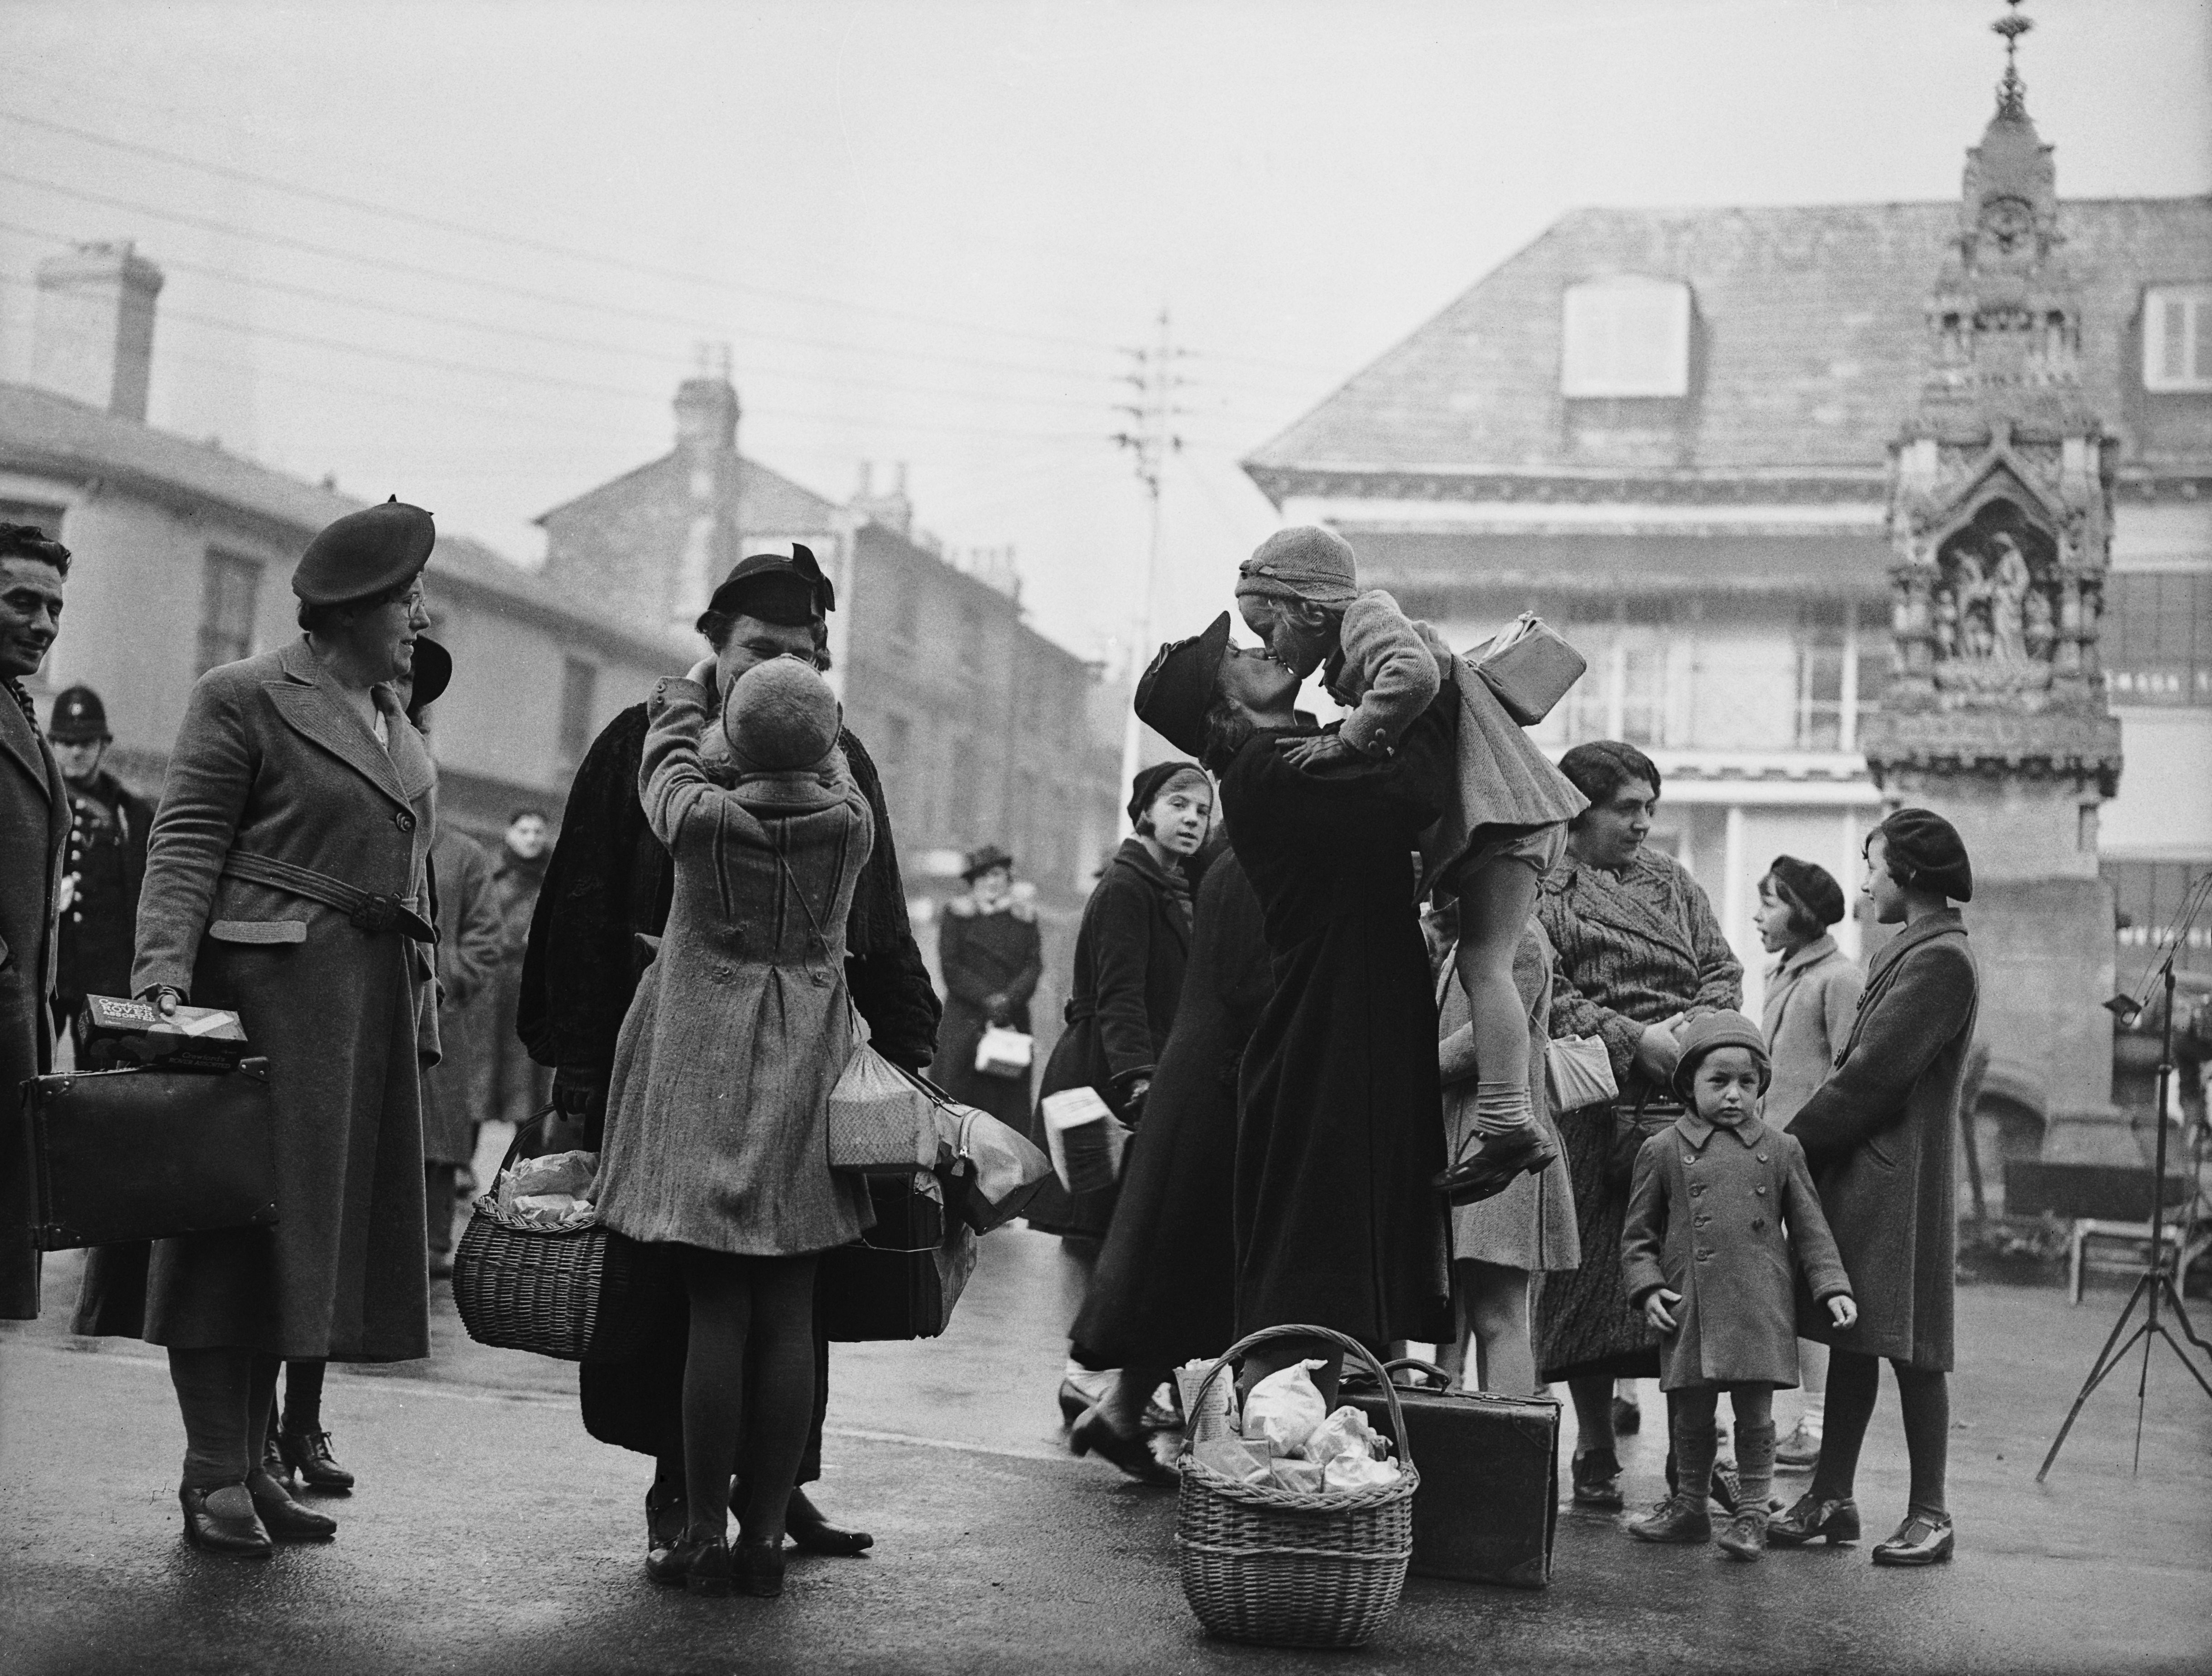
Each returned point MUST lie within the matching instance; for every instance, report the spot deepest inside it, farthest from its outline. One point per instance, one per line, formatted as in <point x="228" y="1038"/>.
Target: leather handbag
<point x="1488" y="1503"/>
<point x="151" y="1153"/>
<point x="1529" y="667"/>
<point x="1005" y="1052"/>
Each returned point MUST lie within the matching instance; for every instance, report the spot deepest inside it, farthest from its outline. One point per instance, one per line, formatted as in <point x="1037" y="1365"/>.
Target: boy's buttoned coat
<point x="272" y="761"/>
<point x="1707" y="1217"/>
<point x="1881" y="1134"/>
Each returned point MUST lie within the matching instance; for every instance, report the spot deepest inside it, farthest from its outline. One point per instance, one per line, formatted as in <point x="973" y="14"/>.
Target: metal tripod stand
<point x="2155" y="1288"/>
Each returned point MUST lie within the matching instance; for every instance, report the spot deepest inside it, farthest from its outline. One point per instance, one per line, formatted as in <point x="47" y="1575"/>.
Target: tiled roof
<point x="1808" y="354"/>
<point x="767" y="500"/>
<point x="43" y="432"/>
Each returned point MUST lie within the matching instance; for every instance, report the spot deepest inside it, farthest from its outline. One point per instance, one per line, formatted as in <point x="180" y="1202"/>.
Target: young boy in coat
<point x="1705" y="1253"/>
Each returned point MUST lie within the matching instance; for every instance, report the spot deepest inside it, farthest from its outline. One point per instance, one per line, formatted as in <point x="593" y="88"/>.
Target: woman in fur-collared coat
<point x="991" y="956"/>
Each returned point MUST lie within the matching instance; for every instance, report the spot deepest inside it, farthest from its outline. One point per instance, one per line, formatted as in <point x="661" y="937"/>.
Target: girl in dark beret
<point x="1879" y="1134"/>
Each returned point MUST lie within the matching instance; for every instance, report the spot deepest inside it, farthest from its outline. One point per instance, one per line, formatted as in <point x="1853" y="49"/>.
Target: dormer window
<point x="1625" y="335"/>
<point x="2178" y="338"/>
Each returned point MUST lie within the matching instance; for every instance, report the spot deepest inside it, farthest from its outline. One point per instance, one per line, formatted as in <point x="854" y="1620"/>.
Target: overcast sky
<point x="926" y="228"/>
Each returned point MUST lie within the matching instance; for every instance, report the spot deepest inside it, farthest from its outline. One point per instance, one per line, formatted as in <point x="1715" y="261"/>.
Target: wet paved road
<point x="491" y="1535"/>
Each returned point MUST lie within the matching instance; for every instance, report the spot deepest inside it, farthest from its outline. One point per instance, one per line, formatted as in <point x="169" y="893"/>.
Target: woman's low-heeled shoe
<point x="1597" y="1479"/>
<point x="1924" y="1539"/>
<point x="309" y="1452"/>
<point x="1809" y="1519"/>
<point x="283" y="1516"/>
<point x="1132" y="1455"/>
<point x="758" y="1569"/>
<point x="667" y="1517"/>
<point x="819" y="1536"/>
<point x="223" y="1533"/>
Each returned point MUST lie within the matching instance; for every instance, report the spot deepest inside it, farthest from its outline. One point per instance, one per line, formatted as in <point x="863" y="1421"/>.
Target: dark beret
<point x="364" y="554"/>
<point x="1176" y="691"/>
<point x="1810" y="887"/>
<point x="1924" y="850"/>
<point x="432" y="674"/>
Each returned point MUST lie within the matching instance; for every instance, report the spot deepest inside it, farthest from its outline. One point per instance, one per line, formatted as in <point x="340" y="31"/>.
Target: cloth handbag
<point x="151" y="1153"/>
<point x="1529" y="667"/>
<point x="882" y="1120"/>
<point x="1005" y="1052"/>
<point x="578" y="1294"/>
<point x="1634" y="1123"/>
<point x="1489" y="1502"/>
<point x="1579" y="1072"/>
<point x="901" y="1279"/>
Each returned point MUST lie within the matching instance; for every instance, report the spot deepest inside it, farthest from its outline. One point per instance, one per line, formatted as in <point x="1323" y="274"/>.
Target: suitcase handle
<point x="1444" y="1380"/>
<point x="1350" y="1346"/>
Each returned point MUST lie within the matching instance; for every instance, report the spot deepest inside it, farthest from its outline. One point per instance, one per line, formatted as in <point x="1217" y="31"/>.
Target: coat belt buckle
<point x="377" y="914"/>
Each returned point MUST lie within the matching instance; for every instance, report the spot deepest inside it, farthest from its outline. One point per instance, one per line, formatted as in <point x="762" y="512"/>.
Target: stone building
<point x="184" y="556"/>
<point x="1681" y="435"/>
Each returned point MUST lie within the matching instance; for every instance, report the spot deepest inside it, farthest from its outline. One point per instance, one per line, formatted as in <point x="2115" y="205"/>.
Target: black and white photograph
<point x="973" y="836"/>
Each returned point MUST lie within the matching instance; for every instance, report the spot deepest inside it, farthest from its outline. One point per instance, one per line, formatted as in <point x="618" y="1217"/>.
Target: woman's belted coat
<point x="273" y="763"/>
<point x="1129" y="958"/>
<point x="1881" y="1135"/>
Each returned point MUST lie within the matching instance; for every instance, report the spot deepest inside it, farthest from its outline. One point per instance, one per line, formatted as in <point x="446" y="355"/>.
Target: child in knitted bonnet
<point x="778" y="717"/>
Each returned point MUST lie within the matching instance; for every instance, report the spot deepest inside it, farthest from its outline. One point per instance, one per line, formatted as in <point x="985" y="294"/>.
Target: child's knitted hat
<point x="1711" y="1031"/>
<point x="781" y="716"/>
<point x="1307" y="562"/>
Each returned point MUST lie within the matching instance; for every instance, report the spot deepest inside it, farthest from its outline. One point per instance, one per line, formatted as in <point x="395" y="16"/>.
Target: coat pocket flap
<point x="259" y="931"/>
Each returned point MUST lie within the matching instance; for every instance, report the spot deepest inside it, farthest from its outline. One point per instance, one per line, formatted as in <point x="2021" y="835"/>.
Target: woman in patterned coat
<point x="1639" y="953"/>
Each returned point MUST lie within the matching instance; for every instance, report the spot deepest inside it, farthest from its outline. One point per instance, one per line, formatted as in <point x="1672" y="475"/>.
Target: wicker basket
<point x="1289" y="1568"/>
<point x="580" y="1294"/>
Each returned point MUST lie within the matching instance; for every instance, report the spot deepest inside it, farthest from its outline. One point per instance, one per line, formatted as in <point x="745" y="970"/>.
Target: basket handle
<point x="1349" y="1346"/>
<point x="522" y="1128"/>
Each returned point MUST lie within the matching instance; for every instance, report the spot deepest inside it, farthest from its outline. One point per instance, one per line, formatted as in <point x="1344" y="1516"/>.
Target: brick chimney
<point x="707" y="444"/>
<point x="94" y="339"/>
<point x="893" y="510"/>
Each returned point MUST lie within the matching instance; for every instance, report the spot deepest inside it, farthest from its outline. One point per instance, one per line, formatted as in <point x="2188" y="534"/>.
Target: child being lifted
<point x="1505" y="818"/>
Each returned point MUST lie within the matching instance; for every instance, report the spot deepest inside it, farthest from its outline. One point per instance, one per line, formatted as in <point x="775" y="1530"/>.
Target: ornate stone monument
<point x="2001" y="491"/>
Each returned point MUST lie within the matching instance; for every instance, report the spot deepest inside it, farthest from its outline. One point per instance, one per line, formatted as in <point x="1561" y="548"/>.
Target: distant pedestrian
<point x="1640" y="953"/>
<point x="34" y="834"/>
<point x="1714" y="1231"/>
<point x="991" y="956"/>
<point x="108" y="826"/>
<point x="1881" y="1135"/>
<point x="1130" y="952"/>
<point x="514" y="1087"/>
<point x="1813" y="993"/>
<point x="718" y="1114"/>
<point x="285" y="880"/>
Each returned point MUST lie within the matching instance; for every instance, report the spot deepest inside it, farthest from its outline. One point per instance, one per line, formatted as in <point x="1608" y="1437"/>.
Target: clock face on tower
<point x="2008" y="222"/>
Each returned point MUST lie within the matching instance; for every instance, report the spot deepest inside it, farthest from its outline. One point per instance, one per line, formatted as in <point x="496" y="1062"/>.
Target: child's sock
<point x="1815" y="1414"/>
<point x="1501" y="1108"/>
<point x="1754" y="1465"/>
<point x="1693" y="1453"/>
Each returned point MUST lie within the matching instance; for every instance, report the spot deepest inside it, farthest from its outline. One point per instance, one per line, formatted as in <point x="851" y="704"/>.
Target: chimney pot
<point x="94" y="339"/>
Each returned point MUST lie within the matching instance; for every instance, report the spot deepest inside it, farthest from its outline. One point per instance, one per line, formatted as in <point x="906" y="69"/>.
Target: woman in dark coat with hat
<point x="285" y="880"/>
<point x="1340" y="1136"/>
<point x="1130" y="952"/>
<point x="1880" y="1136"/>
<point x="991" y="955"/>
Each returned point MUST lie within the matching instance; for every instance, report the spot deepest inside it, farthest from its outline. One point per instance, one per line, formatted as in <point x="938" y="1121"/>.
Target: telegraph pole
<point x="1150" y="438"/>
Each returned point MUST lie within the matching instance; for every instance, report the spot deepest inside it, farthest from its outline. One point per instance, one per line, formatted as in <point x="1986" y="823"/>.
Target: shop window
<point x="1626" y="335"/>
<point x="1843" y="663"/>
<point x="2178" y="338"/>
<point x="2156" y="643"/>
<point x="2146" y="895"/>
<point x="228" y="588"/>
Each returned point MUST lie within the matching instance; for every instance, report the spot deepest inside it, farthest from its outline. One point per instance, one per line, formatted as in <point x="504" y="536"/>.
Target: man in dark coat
<point x="509" y="1086"/>
<point x="106" y="858"/>
<point x="606" y="894"/>
<point x="991" y="955"/>
<point x="35" y="829"/>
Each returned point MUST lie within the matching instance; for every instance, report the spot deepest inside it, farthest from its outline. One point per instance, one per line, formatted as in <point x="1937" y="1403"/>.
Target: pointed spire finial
<point x="2011" y="92"/>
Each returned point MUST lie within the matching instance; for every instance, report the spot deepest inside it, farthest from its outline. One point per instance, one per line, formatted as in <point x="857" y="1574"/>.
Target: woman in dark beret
<point x="1879" y="1135"/>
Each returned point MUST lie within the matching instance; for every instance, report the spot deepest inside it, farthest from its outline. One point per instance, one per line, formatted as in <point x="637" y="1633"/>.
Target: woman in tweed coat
<point x="1639" y="952"/>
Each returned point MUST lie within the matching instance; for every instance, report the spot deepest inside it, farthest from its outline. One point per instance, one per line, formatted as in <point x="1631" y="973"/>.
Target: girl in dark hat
<point x="1880" y="1136"/>
<point x="1812" y="993"/>
<point x="990" y="951"/>
<point x="1130" y="952"/>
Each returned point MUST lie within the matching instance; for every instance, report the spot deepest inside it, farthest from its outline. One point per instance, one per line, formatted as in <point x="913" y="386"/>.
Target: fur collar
<point x="967" y="907"/>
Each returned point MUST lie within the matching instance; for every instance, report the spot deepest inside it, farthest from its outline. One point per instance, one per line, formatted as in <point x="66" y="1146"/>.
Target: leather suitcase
<point x="1489" y="1500"/>
<point x="151" y="1153"/>
<point x="901" y="1277"/>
